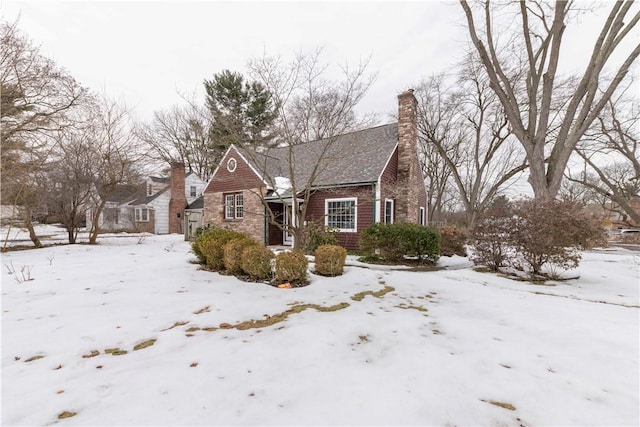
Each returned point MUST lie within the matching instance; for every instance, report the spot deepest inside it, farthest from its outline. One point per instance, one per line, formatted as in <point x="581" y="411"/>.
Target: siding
<point x="161" y="207"/>
<point x="364" y="210"/>
<point x="242" y="178"/>
<point x="388" y="182"/>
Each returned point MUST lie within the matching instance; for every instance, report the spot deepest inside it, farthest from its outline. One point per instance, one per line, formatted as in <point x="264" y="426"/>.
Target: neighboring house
<point x="363" y="177"/>
<point x="156" y="206"/>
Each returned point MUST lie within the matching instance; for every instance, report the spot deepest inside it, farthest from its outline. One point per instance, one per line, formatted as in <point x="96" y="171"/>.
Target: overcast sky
<point x="145" y="52"/>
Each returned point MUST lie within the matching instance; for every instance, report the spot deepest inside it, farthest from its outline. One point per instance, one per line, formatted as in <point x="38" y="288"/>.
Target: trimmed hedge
<point x="291" y="267"/>
<point x="394" y="242"/>
<point x="330" y="260"/>
<point x="210" y="246"/>
<point x="256" y="262"/>
<point x="232" y="253"/>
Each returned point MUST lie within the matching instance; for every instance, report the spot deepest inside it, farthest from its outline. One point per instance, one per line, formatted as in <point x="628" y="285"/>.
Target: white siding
<point x="160" y="205"/>
<point x="192" y="179"/>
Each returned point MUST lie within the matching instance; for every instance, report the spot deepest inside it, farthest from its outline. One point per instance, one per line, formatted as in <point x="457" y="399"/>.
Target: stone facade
<point x="409" y="175"/>
<point x="253" y="219"/>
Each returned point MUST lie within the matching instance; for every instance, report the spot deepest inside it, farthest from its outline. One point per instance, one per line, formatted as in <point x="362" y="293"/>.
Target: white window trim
<point x="384" y="213"/>
<point x="138" y="215"/>
<point x="232" y="164"/>
<point x="355" y="213"/>
<point x="234" y="206"/>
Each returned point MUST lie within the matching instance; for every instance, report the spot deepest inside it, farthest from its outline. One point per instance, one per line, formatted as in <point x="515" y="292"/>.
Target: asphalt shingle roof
<point x="346" y="159"/>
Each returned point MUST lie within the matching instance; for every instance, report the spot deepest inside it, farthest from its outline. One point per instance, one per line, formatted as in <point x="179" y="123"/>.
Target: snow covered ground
<point x="373" y="347"/>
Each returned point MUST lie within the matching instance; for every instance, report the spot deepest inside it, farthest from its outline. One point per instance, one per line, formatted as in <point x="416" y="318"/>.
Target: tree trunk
<point x="29" y="225"/>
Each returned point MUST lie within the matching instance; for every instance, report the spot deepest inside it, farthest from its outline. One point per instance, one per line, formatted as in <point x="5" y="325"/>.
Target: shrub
<point x="212" y="246"/>
<point x="330" y="260"/>
<point x="379" y="240"/>
<point x="256" y="262"/>
<point x="232" y="253"/>
<point x="392" y="242"/>
<point x="317" y="235"/>
<point x="196" y="245"/>
<point x="291" y="267"/>
<point x="534" y="234"/>
<point x="491" y="241"/>
<point x="452" y="241"/>
<point x="553" y="233"/>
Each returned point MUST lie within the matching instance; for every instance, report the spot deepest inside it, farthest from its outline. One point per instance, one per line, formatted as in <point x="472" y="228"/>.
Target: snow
<point x="283" y="184"/>
<point x="565" y="354"/>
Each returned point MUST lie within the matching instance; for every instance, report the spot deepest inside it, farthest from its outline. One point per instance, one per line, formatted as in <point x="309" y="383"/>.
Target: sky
<point x="440" y="348"/>
<point x="147" y="52"/>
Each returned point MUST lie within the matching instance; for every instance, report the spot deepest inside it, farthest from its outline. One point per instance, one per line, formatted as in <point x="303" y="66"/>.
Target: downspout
<point x="376" y="219"/>
<point x="264" y="233"/>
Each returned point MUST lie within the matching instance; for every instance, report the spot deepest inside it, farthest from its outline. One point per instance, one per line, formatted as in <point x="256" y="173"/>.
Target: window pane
<point x="229" y="206"/>
<point x="239" y="206"/>
<point x="145" y="214"/>
<point x="342" y="214"/>
<point x="192" y="191"/>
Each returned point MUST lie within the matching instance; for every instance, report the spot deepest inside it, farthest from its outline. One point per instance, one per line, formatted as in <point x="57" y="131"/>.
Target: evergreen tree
<point x="242" y="112"/>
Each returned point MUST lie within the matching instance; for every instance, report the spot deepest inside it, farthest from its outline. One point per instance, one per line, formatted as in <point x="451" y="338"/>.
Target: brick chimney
<point x="178" y="200"/>
<point x="408" y="174"/>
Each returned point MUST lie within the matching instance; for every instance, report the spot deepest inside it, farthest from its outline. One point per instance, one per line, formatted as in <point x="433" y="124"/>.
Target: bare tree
<point x="548" y="115"/>
<point x="309" y="107"/>
<point x="464" y="123"/>
<point x="181" y="134"/>
<point x="610" y="153"/>
<point x="36" y="99"/>
<point x="70" y="177"/>
<point x="117" y="157"/>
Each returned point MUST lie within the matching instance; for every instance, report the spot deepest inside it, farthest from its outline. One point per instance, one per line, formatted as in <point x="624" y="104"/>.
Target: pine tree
<point x="242" y="112"/>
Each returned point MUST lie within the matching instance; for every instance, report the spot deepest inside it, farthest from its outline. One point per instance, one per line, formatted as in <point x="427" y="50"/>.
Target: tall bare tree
<point x="117" y="155"/>
<point x="463" y="121"/>
<point x="549" y="115"/>
<point x="310" y="107"/>
<point x="181" y="134"/>
<point x="36" y="98"/>
<point x="610" y="152"/>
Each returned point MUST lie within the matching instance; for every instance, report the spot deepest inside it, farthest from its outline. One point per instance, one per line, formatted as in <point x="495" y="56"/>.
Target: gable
<point x="233" y="173"/>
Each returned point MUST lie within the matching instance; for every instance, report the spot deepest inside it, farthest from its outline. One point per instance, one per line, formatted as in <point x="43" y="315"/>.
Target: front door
<point x="287" y="238"/>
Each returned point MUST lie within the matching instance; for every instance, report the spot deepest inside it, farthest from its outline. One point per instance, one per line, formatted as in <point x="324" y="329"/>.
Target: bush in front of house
<point x="395" y="242"/>
<point x="212" y="246"/>
<point x="452" y="241"/>
<point x="330" y="259"/>
<point x="492" y="241"/>
<point x="232" y="253"/>
<point x="316" y="235"/>
<point x="197" y="244"/>
<point x="291" y="267"/>
<point x="256" y="262"/>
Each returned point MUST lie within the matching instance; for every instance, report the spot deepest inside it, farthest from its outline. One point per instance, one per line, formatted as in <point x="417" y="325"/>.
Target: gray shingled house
<point x="352" y="181"/>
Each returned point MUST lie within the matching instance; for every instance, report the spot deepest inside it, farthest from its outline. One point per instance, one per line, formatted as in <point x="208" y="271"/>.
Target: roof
<point x="126" y="192"/>
<point x="355" y="157"/>
<point x="160" y="179"/>
<point x="197" y="203"/>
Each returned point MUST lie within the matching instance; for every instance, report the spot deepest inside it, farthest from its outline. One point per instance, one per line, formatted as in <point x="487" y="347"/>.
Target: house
<point x="155" y="206"/>
<point x="354" y="180"/>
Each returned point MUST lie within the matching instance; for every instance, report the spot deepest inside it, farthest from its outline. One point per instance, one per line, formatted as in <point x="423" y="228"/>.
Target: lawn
<point x="131" y="332"/>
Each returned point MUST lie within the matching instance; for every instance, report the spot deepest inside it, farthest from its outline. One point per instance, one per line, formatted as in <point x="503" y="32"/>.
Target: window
<point x="142" y="215"/>
<point x="149" y="189"/>
<point x="422" y="216"/>
<point x="192" y="191"/>
<point x="388" y="211"/>
<point x="233" y="206"/>
<point x="111" y="215"/>
<point x="232" y="164"/>
<point x="341" y="214"/>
